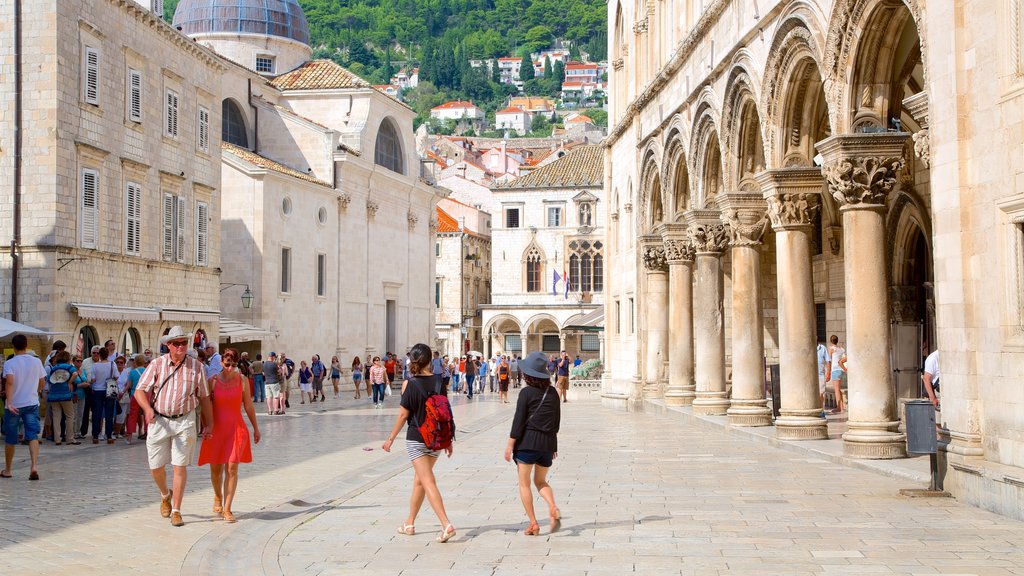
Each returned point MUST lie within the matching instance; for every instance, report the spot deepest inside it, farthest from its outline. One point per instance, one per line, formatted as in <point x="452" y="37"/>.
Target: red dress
<point x="230" y="442"/>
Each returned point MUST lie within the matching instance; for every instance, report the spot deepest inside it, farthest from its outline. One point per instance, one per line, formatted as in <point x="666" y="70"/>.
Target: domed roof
<point x="282" y="18"/>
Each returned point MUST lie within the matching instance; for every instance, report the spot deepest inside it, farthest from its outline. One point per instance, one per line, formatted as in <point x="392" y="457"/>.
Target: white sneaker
<point x="103" y="437"/>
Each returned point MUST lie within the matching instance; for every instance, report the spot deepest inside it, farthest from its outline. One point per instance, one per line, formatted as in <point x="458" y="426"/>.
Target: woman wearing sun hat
<point x="533" y="441"/>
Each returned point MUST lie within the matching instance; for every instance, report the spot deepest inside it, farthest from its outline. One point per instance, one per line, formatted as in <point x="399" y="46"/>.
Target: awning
<point x="233" y="331"/>
<point x="189" y="315"/>
<point x="592" y="321"/>
<point x="10" y="328"/>
<point x="113" y="313"/>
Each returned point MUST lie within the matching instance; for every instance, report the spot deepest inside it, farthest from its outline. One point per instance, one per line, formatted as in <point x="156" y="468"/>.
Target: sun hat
<point x="175" y="333"/>
<point x="536" y="365"/>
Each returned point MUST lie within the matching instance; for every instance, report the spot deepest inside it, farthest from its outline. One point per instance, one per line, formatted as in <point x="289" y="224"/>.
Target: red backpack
<point x="438" y="428"/>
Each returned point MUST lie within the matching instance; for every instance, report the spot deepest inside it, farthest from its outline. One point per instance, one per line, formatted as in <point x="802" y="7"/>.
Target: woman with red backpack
<point x="425" y="407"/>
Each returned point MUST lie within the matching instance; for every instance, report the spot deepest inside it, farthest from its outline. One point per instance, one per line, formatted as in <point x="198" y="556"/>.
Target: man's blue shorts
<point x="30" y="416"/>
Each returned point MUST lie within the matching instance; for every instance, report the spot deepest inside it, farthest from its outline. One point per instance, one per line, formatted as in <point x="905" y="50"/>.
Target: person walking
<point x="24" y="379"/>
<point x="472" y="368"/>
<point x="416" y="391"/>
<point x="513" y="365"/>
<point x="563" y="376"/>
<point x="504" y="375"/>
<point x="178" y="384"/>
<point x="135" y="422"/>
<point x="458" y="367"/>
<point x="228" y="446"/>
<point x="259" y="389"/>
<point x="104" y="397"/>
<point x="379" y="379"/>
<point x="272" y="384"/>
<point x="59" y="395"/>
<point x="485" y="369"/>
<point x="86" y="416"/>
<point x="837" y="372"/>
<point x="319" y="373"/>
<point x="821" y="354"/>
<point x="305" y="383"/>
<point x="80" y="400"/>
<point x="336" y="376"/>
<point x="357" y="375"/>
<point x="533" y="441"/>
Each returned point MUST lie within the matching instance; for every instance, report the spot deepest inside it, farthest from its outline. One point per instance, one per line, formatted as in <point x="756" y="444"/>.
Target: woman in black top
<point x="533" y="442"/>
<point x="415" y="392"/>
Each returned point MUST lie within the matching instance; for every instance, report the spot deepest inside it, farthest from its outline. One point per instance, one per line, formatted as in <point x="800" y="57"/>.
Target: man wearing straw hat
<point x="168" y="393"/>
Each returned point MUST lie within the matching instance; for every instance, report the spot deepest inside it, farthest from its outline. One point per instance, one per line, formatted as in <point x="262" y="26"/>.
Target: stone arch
<point x="676" y="176"/>
<point x="619" y="54"/>
<point x="388" y="151"/>
<point x="869" y="45"/>
<point x="234" y="126"/>
<point x="706" y="157"/>
<point x="652" y="202"/>
<point x="743" y="140"/>
<point x="501" y="319"/>
<point x="796" y="112"/>
<point x="540" y="317"/>
<point x="534" y="264"/>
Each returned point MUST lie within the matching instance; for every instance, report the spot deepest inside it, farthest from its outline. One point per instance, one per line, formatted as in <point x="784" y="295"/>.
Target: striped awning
<point x="189" y="315"/>
<point x="592" y="321"/>
<point x="112" y="313"/>
<point x="234" y="331"/>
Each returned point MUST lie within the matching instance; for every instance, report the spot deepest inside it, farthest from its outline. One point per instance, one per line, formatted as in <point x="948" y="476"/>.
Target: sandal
<point x="217" y="508"/>
<point x="6" y="475"/>
<point x="33" y="476"/>
<point x="446" y="534"/>
<point x="229" y="517"/>
<point x="407" y="529"/>
<point x="533" y="530"/>
<point x="556" y="519"/>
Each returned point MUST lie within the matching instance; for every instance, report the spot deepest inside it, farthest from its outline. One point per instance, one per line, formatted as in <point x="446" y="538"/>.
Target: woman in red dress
<point x="229" y="444"/>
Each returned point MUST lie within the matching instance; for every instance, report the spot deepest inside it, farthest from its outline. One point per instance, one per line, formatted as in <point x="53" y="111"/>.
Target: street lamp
<point x="247" y="295"/>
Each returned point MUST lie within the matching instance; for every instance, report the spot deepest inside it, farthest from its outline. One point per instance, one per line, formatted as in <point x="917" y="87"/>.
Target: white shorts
<point x="171" y="441"/>
<point x="306" y="386"/>
<point x="821" y="384"/>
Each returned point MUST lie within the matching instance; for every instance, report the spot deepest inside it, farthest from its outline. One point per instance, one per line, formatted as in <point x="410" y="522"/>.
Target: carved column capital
<point x="862" y="169"/>
<point x="678" y="249"/>
<point x="744" y="216"/>
<point x="371" y="209"/>
<point x="433" y="224"/>
<point x="344" y="199"/>
<point x="793" y="196"/>
<point x="652" y="250"/>
<point x="617" y="64"/>
<point x="706" y="231"/>
<point x="641" y="26"/>
<point x="413" y="219"/>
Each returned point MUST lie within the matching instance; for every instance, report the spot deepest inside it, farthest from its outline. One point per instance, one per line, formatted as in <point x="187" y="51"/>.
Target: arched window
<point x="574" y="271"/>
<point x="87" y="338"/>
<point x="598" y="273"/>
<point x="232" y="124"/>
<point x="388" y="149"/>
<point x="130" y="345"/>
<point x="534" y="270"/>
<point x="586" y="266"/>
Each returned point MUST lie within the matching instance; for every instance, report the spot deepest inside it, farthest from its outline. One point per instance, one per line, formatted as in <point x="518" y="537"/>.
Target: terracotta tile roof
<point x="319" y="75"/>
<point x="532" y="102"/>
<point x="455" y="104"/>
<point x="509" y="59"/>
<point x="445" y="222"/>
<point x="268" y="164"/>
<point x="511" y="110"/>
<point x="437" y="159"/>
<point x="581" y="118"/>
<point x="583" y="166"/>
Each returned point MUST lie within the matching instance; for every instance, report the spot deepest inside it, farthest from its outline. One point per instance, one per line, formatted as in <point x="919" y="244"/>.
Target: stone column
<point x="655" y="314"/>
<point x="744" y="216"/>
<point x="523" y="336"/>
<point x="861" y="170"/>
<point x="793" y="196"/>
<point x="709" y="240"/>
<point x="679" y="255"/>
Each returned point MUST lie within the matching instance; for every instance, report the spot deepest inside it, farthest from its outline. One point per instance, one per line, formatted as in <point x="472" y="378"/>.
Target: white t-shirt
<point x="27" y="371"/>
<point x="931" y="366"/>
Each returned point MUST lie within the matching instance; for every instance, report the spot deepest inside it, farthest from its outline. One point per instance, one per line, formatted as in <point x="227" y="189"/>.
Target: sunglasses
<point x="177" y="344"/>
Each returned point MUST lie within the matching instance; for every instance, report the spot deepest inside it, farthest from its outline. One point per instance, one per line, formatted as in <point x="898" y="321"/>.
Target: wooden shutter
<point x="133" y="217"/>
<point x="204" y="130"/>
<point x="172" y="114"/>
<point x="202" y="234"/>
<point x="168" y="236"/>
<point x="91" y="76"/>
<point x="134" y="95"/>
<point x="90" y="203"/>
<point x="179" y="223"/>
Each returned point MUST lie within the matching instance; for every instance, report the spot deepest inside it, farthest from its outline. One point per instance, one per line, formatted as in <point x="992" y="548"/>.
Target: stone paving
<point x="651" y="493"/>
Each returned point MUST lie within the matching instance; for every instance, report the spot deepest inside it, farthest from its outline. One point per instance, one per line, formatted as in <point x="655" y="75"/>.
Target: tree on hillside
<point x="557" y="78"/>
<point x="547" y="67"/>
<point x="538" y="38"/>
<point x="526" y="68"/>
<point x="475" y="85"/>
<point x="388" y="70"/>
<point x="495" y="71"/>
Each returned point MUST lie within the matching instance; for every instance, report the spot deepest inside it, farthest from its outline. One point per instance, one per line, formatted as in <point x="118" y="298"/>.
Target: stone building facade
<point x="462" y="280"/>
<point x="326" y="216"/>
<point x="789" y="170"/>
<point x="119" y="174"/>
<point x="551" y="221"/>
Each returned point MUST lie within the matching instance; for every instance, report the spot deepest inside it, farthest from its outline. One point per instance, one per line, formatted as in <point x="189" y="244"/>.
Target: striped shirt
<point x="378" y="375"/>
<point x="180" y="395"/>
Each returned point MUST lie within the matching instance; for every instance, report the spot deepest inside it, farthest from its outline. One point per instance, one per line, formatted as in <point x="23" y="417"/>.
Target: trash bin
<point x="773" y="369"/>
<point x="921" y="438"/>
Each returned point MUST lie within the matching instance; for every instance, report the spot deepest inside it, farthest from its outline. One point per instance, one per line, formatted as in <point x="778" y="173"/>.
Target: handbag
<point x="111" y="384"/>
<point x="387" y="389"/>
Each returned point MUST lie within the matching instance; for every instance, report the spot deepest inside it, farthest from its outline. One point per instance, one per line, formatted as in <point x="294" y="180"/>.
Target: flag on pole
<point x="567" y="283"/>
<point x="554" y="284"/>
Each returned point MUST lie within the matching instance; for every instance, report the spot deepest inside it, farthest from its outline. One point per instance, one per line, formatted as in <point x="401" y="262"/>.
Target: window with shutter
<point x="168" y="235"/>
<point x="204" y="129"/>
<point x="91" y="75"/>
<point x="179" y="224"/>
<point x="90" y="207"/>
<point x="133" y="218"/>
<point x="202" y="234"/>
<point x="134" y="95"/>
<point x="172" y="114"/>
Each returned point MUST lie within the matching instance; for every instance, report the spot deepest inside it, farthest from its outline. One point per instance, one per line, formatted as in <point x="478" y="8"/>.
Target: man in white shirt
<point x="930" y="378"/>
<point x="213" y="365"/>
<point x="24" y="378"/>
